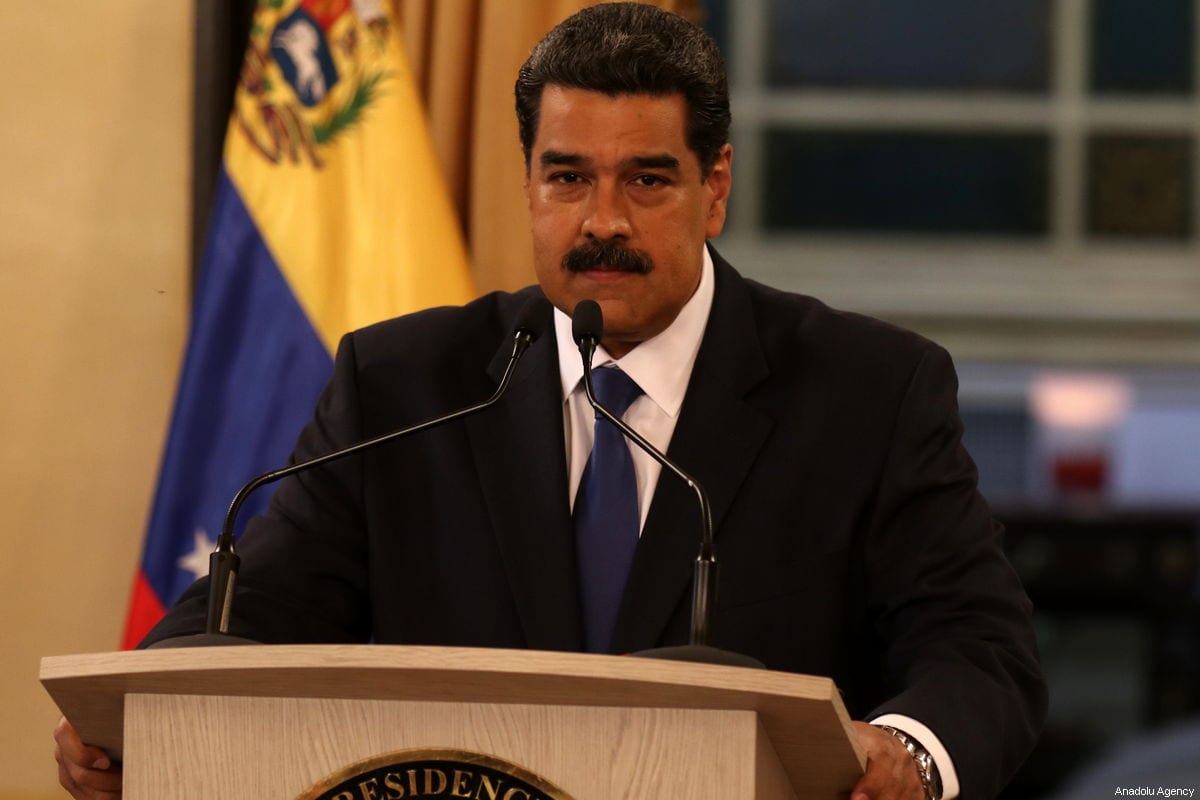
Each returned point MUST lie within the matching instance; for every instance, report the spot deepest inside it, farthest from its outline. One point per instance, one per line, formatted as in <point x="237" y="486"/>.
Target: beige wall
<point x="94" y="129"/>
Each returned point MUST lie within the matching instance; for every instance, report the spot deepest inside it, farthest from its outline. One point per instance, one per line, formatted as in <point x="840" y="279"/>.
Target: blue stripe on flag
<point x="253" y="370"/>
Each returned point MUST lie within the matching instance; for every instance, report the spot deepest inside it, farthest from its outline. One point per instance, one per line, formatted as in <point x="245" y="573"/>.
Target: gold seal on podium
<point x="434" y="773"/>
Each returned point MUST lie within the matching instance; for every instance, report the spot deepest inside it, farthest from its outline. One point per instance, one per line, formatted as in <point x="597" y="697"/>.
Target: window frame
<point x="1070" y="296"/>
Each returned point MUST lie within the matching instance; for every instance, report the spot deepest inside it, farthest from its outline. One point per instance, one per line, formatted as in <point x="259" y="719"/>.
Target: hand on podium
<point x="891" y="773"/>
<point x="86" y="772"/>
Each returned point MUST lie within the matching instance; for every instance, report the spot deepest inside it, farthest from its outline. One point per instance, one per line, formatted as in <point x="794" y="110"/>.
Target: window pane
<point x="1140" y="46"/>
<point x="1140" y="186"/>
<point x="951" y="183"/>
<point x="917" y="44"/>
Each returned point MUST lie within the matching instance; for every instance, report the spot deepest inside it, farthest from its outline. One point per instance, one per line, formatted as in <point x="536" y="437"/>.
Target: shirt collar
<point x="661" y="366"/>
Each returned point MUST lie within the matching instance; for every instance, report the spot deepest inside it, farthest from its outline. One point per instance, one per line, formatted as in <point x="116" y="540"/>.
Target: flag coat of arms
<point x="330" y="213"/>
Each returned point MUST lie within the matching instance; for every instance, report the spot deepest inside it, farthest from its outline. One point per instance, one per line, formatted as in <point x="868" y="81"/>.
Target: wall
<point x="94" y="131"/>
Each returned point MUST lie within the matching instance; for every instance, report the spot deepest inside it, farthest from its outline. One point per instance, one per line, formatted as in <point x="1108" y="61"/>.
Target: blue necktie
<point x="606" y="513"/>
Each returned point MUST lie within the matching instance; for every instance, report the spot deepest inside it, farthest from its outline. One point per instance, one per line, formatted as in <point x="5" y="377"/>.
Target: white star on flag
<point x="196" y="562"/>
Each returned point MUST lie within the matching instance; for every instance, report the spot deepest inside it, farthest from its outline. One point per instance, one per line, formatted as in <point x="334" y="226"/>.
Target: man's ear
<point x="719" y="183"/>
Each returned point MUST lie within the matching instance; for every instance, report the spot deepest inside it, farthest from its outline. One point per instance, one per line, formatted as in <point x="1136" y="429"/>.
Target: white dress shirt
<point x="662" y="367"/>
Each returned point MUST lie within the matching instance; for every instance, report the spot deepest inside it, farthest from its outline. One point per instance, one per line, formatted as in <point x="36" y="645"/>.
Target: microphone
<point x="224" y="562"/>
<point x="587" y="328"/>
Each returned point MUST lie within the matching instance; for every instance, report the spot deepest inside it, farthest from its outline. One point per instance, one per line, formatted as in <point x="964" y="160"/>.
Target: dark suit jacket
<point x="851" y="537"/>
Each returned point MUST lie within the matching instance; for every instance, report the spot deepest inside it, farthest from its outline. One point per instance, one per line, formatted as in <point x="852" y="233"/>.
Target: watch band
<point x="927" y="770"/>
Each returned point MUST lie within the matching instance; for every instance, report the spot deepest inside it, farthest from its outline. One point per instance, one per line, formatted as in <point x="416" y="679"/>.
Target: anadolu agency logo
<point x="434" y="773"/>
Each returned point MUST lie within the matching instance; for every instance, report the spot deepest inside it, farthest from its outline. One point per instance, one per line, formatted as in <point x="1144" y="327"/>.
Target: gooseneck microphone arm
<point x="587" y="328"/>
<point x="224" y="562"/>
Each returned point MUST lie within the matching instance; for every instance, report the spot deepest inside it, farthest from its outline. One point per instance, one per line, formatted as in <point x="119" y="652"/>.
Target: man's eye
<point x="649" y="180"/>
<point x="565" y="177"/>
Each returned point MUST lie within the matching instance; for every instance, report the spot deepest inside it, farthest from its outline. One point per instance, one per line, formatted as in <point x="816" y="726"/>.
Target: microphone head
<point x="530" y="318"/>
<point x="587" y="322"/>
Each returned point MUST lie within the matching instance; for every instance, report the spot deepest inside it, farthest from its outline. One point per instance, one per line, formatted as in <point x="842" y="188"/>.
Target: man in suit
<point x="852" y="539"/>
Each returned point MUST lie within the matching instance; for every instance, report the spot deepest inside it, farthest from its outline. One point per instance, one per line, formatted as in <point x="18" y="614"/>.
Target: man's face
<point x="618" y="209"/>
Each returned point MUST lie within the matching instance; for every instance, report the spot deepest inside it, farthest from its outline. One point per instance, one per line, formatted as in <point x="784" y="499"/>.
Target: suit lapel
<point x="716" y="440"/>
<point x="520" y="456"/>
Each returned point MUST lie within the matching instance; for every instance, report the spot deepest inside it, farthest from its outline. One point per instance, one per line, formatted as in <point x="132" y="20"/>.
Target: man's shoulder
<point x="800" y="325"/>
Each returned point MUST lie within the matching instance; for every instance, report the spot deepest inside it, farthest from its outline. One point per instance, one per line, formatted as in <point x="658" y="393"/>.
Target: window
<point x="1018" y="180"/>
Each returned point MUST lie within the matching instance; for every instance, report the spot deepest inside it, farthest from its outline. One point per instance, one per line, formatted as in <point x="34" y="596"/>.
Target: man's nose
<point x="608" y="213"/>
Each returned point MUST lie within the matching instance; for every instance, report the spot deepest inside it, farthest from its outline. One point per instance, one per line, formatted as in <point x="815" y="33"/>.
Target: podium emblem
<point x="434" y="773"/>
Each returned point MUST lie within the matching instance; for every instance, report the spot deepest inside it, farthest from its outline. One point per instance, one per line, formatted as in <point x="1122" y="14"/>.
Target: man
<point x="853" y="541"/>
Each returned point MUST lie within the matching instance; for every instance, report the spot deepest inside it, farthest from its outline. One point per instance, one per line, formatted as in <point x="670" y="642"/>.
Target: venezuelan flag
<point x="330" y="214"/>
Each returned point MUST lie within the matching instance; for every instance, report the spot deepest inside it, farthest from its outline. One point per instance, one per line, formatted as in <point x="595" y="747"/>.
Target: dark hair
<point x="631" y="48"/>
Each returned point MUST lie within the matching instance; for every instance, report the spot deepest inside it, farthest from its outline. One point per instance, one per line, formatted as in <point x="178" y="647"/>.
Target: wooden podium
<point x="277" y="721"/>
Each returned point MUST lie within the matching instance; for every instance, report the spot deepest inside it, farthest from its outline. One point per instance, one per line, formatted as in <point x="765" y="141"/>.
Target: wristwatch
<point x="931" y="781"/>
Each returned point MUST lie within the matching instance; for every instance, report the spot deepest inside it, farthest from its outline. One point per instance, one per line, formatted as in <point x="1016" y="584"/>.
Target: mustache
<point x="607" y="252"/>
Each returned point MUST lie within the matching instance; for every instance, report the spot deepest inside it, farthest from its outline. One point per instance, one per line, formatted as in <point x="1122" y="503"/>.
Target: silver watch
<point x="931" y="781"/>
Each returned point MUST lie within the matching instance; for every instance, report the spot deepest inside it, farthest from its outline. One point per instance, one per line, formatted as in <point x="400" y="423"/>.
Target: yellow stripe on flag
<point x="346" y="191"/>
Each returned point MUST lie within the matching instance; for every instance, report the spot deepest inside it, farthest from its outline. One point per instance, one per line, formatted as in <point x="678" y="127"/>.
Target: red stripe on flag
<point x="145" y="610"/>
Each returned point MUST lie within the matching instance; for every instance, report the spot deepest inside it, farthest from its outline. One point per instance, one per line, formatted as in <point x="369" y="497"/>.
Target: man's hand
<point x="86" y="772"/>
<point x="891" y="773"/>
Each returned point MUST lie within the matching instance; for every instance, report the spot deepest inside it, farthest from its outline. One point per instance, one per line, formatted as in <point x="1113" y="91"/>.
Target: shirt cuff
<point x="932" y="745"/>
